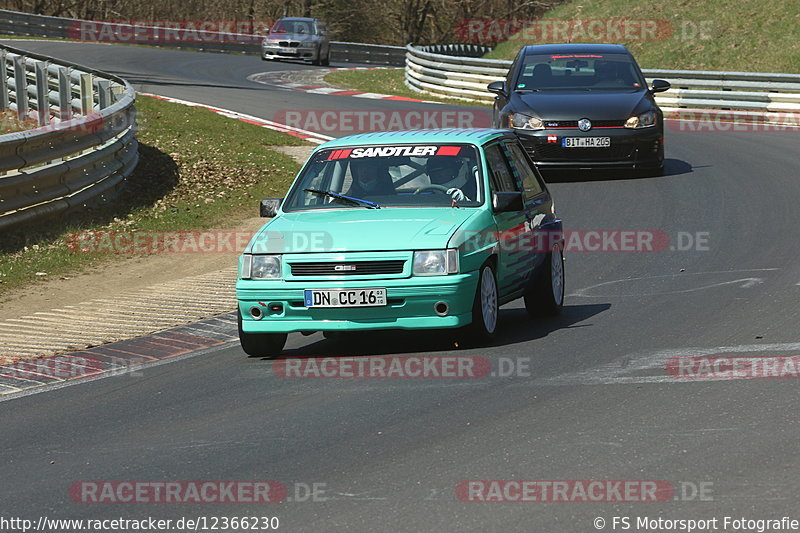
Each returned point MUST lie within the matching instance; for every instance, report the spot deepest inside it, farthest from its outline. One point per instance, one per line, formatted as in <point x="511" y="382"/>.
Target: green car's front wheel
<point x="267" y="345"/>
<point x="485" y="309"/>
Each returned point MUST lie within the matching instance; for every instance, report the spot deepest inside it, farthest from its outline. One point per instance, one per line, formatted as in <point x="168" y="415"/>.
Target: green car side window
<point x="501" y="177"/>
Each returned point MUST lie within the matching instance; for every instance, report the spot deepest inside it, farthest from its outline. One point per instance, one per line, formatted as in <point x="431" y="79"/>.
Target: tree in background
<point x="395" y="22"/>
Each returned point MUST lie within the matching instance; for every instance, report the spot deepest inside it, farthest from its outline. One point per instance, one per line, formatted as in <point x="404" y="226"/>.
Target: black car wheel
<point x="268" y="345"/>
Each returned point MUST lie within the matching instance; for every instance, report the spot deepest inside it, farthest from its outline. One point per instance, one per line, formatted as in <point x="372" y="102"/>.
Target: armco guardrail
<point x="764" y="94"/>
<point x="85" y="143"/>
<point x="29" y="25"/>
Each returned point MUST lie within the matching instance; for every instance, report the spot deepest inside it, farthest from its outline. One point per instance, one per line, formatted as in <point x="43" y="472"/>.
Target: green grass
<point x="197" y="170"/>
<point x="733" y="35"/>
<point x="384" y="81"/>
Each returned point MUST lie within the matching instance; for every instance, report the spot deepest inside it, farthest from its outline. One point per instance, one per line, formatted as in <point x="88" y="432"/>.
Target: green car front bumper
<point x="410" y="304"/>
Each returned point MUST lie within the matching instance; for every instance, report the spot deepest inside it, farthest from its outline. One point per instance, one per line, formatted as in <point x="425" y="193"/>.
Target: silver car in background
<point x="297" y="38"/>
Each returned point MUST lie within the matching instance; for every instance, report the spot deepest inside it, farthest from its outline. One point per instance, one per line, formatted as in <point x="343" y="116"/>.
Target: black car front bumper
<point x="629" y="148"/>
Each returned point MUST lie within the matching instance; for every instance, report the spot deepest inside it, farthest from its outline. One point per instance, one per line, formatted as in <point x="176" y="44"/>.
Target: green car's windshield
<point x="544" y="72"/>
<point x="390" y="176"/>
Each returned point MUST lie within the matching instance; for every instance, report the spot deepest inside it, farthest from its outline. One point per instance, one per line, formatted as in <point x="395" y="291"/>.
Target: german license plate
<point x="345" y="297"/>
<point x="586" y="142"/>
<point x="288" y="51"/>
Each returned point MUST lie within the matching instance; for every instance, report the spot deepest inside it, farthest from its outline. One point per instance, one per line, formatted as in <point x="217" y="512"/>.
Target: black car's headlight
<point x="260" y="267"/>
<point x="645" y="120"/>
<point x="521" y="121"/>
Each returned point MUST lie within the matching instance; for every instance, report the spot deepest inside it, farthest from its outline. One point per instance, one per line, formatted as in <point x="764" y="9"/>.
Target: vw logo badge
<point x="584" y="124"/>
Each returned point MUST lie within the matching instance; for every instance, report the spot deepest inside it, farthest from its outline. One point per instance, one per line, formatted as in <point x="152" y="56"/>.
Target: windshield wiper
<point x="354" y="201"/>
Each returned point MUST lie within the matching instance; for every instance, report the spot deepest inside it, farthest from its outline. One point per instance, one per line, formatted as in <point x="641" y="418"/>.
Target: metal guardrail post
<point x="64" y="94"/>
<point x="42" y="90"/>
<point x="21" y="87"/>
<point x="87" y="93"/>
<point x="104" y="93"/>
<point x="3" y="81"/>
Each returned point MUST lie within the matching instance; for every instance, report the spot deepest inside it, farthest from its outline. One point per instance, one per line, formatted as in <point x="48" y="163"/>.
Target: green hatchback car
<point x="402" y="230"/>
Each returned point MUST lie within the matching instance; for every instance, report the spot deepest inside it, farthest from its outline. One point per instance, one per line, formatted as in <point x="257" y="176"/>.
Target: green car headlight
<point x="525" y="122"/>
<point x="436" y="262"/>
<point x="260" y="267"/>
<point x="645" y="120"/>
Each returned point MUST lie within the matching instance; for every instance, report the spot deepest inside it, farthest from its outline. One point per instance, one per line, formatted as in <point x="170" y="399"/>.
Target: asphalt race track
<point x="594" y="402"/>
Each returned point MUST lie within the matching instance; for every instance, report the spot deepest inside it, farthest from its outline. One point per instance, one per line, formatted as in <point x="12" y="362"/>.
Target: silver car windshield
<point x="294" y="27"/>
<point x="390" y="176"/>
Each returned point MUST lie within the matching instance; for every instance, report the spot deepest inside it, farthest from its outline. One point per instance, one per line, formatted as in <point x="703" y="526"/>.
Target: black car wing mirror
<point x="659" y="86"/>
<point x="497" y="87"/>
<point x="268" y="207"/>
<point x="506" y="202"/>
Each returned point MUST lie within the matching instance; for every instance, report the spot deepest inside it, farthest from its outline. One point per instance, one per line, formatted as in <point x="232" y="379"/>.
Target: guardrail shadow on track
<point x="154" y="177"/>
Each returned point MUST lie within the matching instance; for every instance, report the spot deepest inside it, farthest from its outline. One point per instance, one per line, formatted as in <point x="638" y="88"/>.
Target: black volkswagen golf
<point x="582" y="106"/>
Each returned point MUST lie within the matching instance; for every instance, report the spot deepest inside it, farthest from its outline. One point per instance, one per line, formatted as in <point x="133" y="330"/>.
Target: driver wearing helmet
<point x="447" y="173"/>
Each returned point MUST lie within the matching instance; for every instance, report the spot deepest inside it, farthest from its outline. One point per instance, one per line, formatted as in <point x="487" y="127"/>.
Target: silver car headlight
<point x="521" y="121"/>
<point x="307" y="44"/>
<point x="436" y="262"/>
<point x="645" y="120"/>
<point x="260" y="267"/>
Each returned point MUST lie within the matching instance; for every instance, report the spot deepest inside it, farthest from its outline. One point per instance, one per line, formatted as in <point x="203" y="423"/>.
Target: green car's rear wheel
<point x="546" y="296"/>
<point x="267" y="345"/>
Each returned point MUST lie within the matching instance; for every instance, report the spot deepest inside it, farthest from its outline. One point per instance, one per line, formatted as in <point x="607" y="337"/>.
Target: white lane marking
<point x="744" y="283"/>
<point x="324" y="90"/>
<point x="375" y="96"/>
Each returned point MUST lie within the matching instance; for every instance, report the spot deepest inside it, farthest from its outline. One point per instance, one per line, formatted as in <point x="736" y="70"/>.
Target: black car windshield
<point x="389" y="176"/>
<point x="542" y="72"/>
<point x="293" y="26"/>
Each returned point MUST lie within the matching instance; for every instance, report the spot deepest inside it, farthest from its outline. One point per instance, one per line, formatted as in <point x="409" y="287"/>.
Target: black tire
<point x="327" y="60"/>
<point x="318" y="61"/>
<point x="484" y="317"/>
<point x="543" y="298"/>
<point x="268" y="345"/>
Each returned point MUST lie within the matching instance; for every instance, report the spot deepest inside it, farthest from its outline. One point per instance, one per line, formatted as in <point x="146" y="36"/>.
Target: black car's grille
<point x="574" y="123"/>
<point x="348" y="268"/>
<point x="555" y="152"/>
<point x="292" y="44"/>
